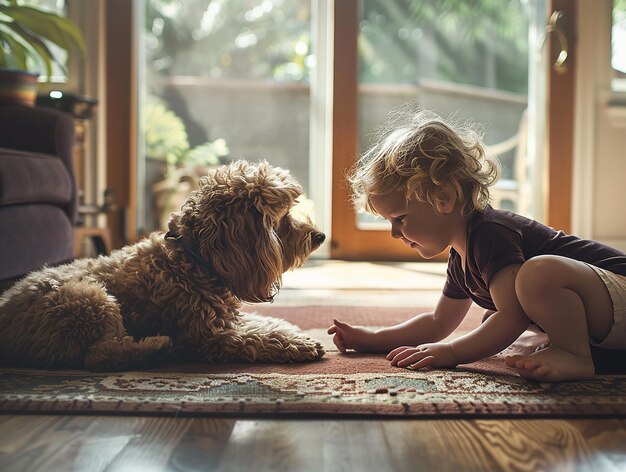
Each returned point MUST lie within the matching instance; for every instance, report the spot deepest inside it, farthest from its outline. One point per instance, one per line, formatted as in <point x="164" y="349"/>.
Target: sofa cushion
<point x="31" y="177"/>
<point x="32" y="235"/>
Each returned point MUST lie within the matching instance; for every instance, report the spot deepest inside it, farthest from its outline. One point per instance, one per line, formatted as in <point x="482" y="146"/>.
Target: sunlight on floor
<point x="335" y="282"/>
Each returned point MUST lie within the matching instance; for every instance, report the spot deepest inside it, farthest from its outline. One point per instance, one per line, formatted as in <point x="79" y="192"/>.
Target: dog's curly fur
<point x="177" y="295"/>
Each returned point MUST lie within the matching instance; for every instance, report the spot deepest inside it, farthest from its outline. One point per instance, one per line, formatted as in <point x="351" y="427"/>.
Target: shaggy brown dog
<point x="173" y="295"/>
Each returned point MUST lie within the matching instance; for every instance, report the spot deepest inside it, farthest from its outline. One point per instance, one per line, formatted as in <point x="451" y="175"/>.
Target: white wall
<point x="599" y="210"/>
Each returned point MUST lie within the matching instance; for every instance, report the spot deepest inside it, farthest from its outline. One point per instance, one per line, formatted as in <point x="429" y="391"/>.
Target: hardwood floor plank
<point x="357" y="445"/>
<point x="78" y="443"/>
<point x="17" y="432"/>
<point x="63" y="442"/>
<point x="433" y="445"/>
<point x="98" y="441"/>
<point x="41" y="443"/>
<point x="203" y="445"/>
<point x="527" y="445"/>
<point x="152" y="445"/>
<point x="277" y="445"/>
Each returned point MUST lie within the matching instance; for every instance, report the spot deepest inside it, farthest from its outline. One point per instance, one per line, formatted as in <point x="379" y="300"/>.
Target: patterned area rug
<point x="352" y="384"/>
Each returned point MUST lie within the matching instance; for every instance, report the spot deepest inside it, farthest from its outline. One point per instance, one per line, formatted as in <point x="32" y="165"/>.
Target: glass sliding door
<point x="219" y="81"/>
<point x="482" y="61"/>
<point x="250" y="79"/>
<point x="618" y="45"/>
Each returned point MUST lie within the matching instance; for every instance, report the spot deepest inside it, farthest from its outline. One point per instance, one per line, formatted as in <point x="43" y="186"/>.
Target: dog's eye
<point x="284" y="221"/>
<point x="302" y="210"/>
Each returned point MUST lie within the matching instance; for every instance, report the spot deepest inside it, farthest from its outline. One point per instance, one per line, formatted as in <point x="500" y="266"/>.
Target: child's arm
<point x="502" y="328"/>
<point x="499" y="331"/>
<point x="426" y="327"/>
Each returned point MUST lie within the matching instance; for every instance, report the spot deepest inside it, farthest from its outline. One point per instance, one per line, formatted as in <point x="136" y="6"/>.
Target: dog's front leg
<point x="261" y="339"/>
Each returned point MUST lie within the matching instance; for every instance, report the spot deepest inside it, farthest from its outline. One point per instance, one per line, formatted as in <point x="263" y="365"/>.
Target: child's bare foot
<point x="552" y="365"/>
<point x="531" y="340"/>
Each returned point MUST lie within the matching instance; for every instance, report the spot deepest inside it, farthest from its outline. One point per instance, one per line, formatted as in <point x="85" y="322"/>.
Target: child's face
<point x="417" y="224"/>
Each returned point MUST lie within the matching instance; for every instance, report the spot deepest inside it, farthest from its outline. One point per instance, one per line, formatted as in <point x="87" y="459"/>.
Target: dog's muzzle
<point x="317" y="239"/>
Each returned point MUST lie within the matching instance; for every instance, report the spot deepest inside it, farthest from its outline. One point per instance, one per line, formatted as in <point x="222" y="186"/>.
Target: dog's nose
<point x="318" y="239"/>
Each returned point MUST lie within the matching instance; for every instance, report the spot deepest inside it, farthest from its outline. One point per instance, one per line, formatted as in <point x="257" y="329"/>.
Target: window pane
<point x="618" y="45"/>
<point x="224" y="80"/>
<point x="466" y="59"/>
<point x="60" y="63"/>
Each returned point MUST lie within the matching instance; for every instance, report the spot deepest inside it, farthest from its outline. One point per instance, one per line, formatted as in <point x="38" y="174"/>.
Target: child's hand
<point x="350" y="337"/>
<point x="424" y="355"/>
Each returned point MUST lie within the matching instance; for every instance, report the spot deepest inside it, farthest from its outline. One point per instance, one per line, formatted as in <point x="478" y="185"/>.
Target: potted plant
<point x="174" y="167"/>
<point x="26" y="33"/>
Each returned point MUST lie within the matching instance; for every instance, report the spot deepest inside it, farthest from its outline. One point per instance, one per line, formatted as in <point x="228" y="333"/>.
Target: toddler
<point x="431" y="182"/>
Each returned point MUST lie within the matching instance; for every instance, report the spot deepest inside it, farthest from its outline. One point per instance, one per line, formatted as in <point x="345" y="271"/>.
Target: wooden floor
<point x="85" y="443"/>
<point x="125" y="443"/>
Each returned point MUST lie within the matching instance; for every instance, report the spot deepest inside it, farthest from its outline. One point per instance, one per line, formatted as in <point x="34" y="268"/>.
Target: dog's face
<point x="239" y="220"/>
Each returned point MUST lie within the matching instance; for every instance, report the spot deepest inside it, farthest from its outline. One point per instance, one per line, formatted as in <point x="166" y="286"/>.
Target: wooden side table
<point x="100" y="238"/>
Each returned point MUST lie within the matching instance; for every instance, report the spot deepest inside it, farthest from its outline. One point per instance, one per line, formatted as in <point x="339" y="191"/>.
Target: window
<point x="222" y="80"/>
<point x="467" y="62"/>
<point x="59" y="69"/>
<point x="618" y="45"/>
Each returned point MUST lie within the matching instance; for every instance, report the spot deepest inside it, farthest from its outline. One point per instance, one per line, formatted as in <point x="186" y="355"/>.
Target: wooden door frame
<point x="560" y="124"/>
<point x="370" y="245"/>
<point x="344" y="122"/>
<point x="378" y="245"/>
<point x="346" y="243"/>
<point x="121" y="130"/>
<point x="118" y="21"/>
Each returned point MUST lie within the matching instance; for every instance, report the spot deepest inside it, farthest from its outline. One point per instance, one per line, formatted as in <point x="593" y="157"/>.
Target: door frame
<point x="347" y="242"/>
<point x="560" y="123"/>
<point x="350" y="243"/>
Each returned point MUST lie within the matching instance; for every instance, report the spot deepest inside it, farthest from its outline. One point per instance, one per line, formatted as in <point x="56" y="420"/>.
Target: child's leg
<point x="571" y="303"/>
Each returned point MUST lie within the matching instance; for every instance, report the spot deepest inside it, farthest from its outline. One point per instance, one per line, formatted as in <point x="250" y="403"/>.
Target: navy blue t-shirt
<point x="496" y="239"/>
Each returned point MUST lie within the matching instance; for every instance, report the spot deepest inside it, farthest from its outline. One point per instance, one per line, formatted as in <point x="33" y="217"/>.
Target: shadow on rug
<point x="338" y="385"/>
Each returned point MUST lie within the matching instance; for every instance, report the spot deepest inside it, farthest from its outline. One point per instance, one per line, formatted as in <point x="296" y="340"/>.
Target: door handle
<point x="556" y="28"/>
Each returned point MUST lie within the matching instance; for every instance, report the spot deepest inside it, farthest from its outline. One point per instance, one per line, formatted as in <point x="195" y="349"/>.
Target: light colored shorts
<point x="616" y="285"/>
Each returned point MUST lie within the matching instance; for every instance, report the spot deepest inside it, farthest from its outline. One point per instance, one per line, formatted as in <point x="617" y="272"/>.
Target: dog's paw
<point x="308" y="350"/>
<point x="319" y="349"/>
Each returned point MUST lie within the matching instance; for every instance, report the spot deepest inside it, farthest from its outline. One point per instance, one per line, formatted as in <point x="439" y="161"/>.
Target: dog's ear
<point x="272" y="190"/>
<point x="174" y="223"/>
<point x="246" y="252"/>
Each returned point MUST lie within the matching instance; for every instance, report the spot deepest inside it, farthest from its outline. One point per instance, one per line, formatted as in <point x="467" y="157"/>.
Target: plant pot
<point x="18" y="87"/>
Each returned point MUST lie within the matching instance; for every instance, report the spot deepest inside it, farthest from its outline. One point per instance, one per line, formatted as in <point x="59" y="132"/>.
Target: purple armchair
<point x="38" y="195"/>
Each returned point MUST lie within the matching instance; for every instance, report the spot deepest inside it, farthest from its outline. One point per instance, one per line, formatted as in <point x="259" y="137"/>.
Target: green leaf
<point x="34" y="46"/>
<point x="45" y="25"/>
<point x="19" y="52"/>
<point x="27" y="31"/>
<point x="70" y="32"/>
<point x="3" y="56"/>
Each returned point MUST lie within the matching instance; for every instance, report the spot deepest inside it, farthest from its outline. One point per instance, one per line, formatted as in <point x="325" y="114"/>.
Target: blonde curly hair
<point x="421" y="156"/>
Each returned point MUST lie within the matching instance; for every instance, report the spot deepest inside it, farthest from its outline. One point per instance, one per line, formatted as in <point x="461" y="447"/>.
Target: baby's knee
<point x="539" y="275"/>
